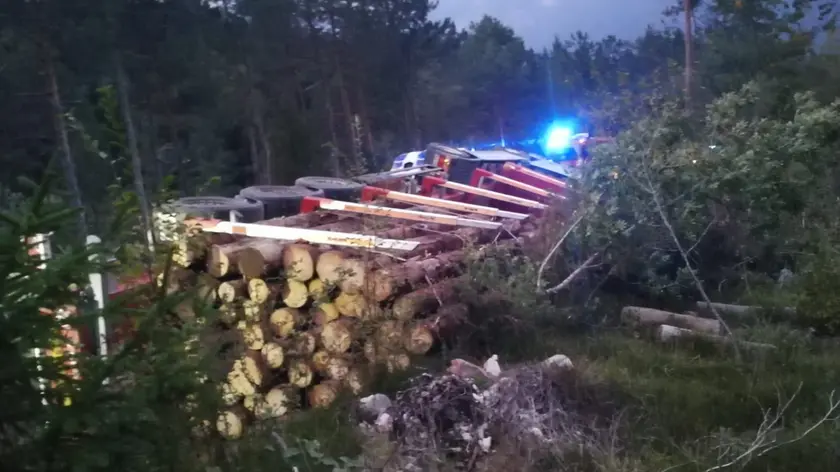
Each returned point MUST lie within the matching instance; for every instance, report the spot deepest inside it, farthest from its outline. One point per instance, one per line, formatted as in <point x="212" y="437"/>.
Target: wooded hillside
<point x="264" y="91"/>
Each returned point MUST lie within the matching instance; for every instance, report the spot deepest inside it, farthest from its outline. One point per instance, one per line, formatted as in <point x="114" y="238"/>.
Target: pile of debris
<point x="464" y="415"/>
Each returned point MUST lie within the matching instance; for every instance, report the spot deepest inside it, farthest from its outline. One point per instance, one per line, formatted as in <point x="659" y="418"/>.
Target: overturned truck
<point x="317" y="282"/>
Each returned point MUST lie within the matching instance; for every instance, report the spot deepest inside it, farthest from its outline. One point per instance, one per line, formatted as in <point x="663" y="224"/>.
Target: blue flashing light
<point x="558" y="138"/>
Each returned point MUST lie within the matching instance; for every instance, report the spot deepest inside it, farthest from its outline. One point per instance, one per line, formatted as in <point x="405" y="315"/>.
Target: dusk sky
<point x="538" y="21"/>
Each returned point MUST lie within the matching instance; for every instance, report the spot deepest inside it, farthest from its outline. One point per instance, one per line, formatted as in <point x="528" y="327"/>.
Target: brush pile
<point x="304" y="322"/>
<point x="468" y="417"/>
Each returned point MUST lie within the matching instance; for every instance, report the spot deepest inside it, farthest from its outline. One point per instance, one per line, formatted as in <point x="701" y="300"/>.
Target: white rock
<point x="491" y="366"/>
<point x="558" y="361"/>
<point x="375" y="404"/>
<point x="485" y="443"/>
<point x="384" y="423"/>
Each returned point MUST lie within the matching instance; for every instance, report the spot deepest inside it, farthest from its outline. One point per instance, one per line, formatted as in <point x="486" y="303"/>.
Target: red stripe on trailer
<point x="516" y="171"/>
<point x="399" y="213"/>
<point x="369" y="193"/>
<point x="479" y="175"/>
<point x="429" y="183"/>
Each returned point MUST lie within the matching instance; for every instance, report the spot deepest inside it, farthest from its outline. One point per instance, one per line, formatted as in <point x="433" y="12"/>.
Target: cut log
<point x="336" y="337"/>
<point x="397" y="362"/>
<point x="349" y="224"/>
<point x="419" y="339"/>
<point x="293" y="293"/>
<point x="352" y="276"/>
<point x="278" y="402"/>
<point x="324" y="394"/>
<point x="222" y="258"/>
<point x="188" y="250"/>
<point x="371" y="351"/>
<point x="252" y="335"/>
<point x="252" y="311"/>
<point x="241" y="386"/>
<point x="229" y="396"/>
<point x="328" y="267"/>
<point x="413" y="274"/>
<point x="300" y="373"/>
<point x="742" y="313"/>
<point x="319" y="361"/>
<point x="252" y="402"/>
<point x="283" y="321"/>
<point x="323" y="313"/>
<point x="427" y="299"/>
<point x="230" y="313"/>
<point x="431" y="244"/>
<point x="176" y="280"/>
<point x="258" y="290"/>
<point x="185" y="310"/>
<point x="355" y="380"/>
<point x="667" y="333"/>
<point x="231" y="290"/>
<point x="337" y="368"/>
<point x="302" y="344"/>
<point x="255" y="368"/>
<point x="261" y="256"/>
<point x="230" y="424"/>
<point x="389" y="336"/>
<point x="298" y="261"/>
<point x="650" y="317"/>
<point x="273" y="355"/>
<point x="303" y="220"/>
<point x="437" y="243"/>
<point x="318" y="291"/>
<point x="351" y="305"/>
<point x="206" y="287"/>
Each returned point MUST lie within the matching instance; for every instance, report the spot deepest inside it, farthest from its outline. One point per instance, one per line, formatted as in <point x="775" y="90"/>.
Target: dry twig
<point x="555" y="248"/>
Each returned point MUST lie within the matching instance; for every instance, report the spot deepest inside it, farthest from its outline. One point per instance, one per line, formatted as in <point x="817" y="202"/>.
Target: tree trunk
<point x="688" y="40"/>
<point x="256" y="167"/>
<point x="268" y="164"/>
<point x="133" y="149"/>
<point x="68" y="164"/>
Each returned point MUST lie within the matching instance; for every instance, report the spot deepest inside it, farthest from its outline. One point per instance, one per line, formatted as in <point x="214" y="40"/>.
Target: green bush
<point x="150" y="405"/>
<point x="818" y="297"/>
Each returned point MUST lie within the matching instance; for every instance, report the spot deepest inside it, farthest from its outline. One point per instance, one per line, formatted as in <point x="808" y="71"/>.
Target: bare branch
<point x="568" y="280"/>
<point x="764" y="442"/>
<point x="660" y="209"/>
<point x="702" y="235"/>
<point x="555" y="248"/>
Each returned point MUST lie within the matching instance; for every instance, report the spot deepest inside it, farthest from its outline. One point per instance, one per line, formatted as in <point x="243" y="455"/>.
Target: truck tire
<point x="280" y="200"/>
<point x="333" y="187"/>
<point x="246" y="211"/>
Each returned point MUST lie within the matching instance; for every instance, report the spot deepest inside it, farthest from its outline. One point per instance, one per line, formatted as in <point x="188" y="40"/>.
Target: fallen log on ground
<point x="650" y="317"/>
<point x="667" y="333"/>
<point x="742" y="313"/>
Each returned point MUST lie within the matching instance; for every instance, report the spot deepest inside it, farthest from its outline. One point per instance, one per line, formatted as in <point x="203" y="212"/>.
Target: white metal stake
<point x="41" y="249"/>
<point x="313" y="236"/>
<point x="99" y="284"/>
<point x="413" y="215"/>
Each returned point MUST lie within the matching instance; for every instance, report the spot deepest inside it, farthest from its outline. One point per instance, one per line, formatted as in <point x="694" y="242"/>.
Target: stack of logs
<point x="311" y="321"/>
